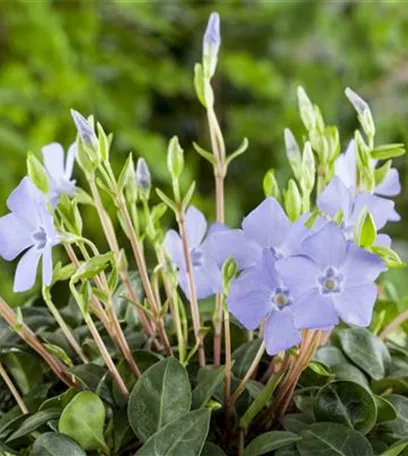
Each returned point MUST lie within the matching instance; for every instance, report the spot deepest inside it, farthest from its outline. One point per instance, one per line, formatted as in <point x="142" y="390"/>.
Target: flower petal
<point x="327" y="247"/>
<point x="47" y="265"/>
<point x="280" y="332"/>
<point x="207" y="278"/>
<point x="267" y="224"/>
<point x="70" y="161"/>
<point x="26" y="271"/>
<point x="384" y="240"/>
<point x="196" y="226"/>
<point x="53" y="157"/>
<point x="15" y="236"/>
<point x="346" y="166"/>
<point x="314" y="311"/>
<point x="172" y="243"/>
<point x="24" y="201"/>
<point x="335" y="197"/>
<point x="300" y="274"/>
<point x="248" y="301"/>
<point x="391" y="185"/>
<point x="381" y="209"/>
<point x="221" y="245"/>
<point x="355" y="304"/>
<point x="361" y="267"/>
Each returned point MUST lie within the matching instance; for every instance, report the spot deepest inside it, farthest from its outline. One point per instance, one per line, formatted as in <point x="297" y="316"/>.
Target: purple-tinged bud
<point x="211" y="44"/>
<point x="143" y="178"/>
<point x="85" y="130"/>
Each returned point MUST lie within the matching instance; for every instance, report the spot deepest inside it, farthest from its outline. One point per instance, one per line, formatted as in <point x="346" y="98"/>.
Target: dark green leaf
<point x="332" y="439"/>
<point x="398" y="428"/>
<point x="297" y="422"/>
<point x="398" y="385"/>
<point x="347" y="371"/>
<point x="210" y="449"/>
<point x="25" y="370"/>
<point x="203" y="392"/>
<point x="270" y="441"/>
<point x="290" y="450"/>
<point x="92" y="267"/>
<point x="347" y="403"/>
<point x="244" y="356"/>
<point x="184" y="436"/>
<point x="54" y="444"/>
<point x="160" y="396"/>
<point x="385" y="410"/>
<point x="330" y="356"/>
<point x="32" y="423"/>
<point x="396" y="449"/>
<point x="367" y="351"/>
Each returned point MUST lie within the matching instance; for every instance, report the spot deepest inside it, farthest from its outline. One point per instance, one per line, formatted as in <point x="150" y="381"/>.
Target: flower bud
<point x="307" y="112"/>
<point x="175" y="158"/>
<point x="143" y="178"/>
<point x="308" y="168"/>
<point x="363" y="111"/>
<point x="211" y="45"/>
<point x="88" y="140"/>
<point x="293" y="152"/>
<point x="229" y="270"/>
<point x="270" y="185"/>
<point x="37" y="173"/>
<point x="293" y="201"/>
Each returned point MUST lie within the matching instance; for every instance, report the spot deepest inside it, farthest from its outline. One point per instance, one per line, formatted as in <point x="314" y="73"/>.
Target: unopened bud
<point x="85" y="129"/>
<point x="293" y="201"/>
<point x="307" y="112"/>
<point x="293" y="152"/>
<point x="363" y="111"/>
<point x="211" y="44"/>
<point x="143" y="178"/>
<point x="270" y="185"/>
<point x="175" y="158"/>
<point x="229" y="271"/>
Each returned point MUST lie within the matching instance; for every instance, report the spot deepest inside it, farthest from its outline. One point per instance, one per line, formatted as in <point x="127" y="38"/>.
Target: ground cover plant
<point x="282" y="336"/>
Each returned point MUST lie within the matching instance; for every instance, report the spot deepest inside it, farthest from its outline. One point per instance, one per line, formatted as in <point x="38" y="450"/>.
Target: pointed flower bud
<point x="307" y="112"/>
<point x="88" y="155"/>
<point x="175" y="158"/>
<point x="85" y="129"/>
<point x="293" y="152"/>
<point x="143" y="178"/>
<point x="363" y="111"/>
<point x="211" y="44"/>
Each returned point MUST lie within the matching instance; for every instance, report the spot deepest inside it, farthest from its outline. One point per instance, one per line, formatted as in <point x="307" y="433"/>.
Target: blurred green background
<point x="130" y="63"/>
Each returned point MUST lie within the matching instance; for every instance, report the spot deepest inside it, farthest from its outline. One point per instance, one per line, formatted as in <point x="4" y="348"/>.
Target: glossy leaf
<point x="270" y="441"/>
<point x="398" y="428"/>
<point x="385" y="410"/>
<point x="244" y="356"/>
<point x="55" y="444"/>
<point x="207" y="386"/>
<point x="32" y="423"/>
<point x="210" y="449"/>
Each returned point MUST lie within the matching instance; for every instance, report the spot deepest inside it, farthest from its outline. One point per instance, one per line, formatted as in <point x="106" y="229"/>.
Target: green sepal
<point x="37" y="173"/>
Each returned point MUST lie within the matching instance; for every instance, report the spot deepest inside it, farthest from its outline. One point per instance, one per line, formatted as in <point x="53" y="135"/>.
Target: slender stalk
<point x="228" y="358"/>
<point x="398" y="321"/>
<point x="195" y="312"/>
<point x="64" y="327"/>
<point x="13" y="390"/>
<point x="241" y="387"/>
<point x="31" y="339"/>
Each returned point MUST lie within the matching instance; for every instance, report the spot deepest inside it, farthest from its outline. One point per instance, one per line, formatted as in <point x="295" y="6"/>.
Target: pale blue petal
<point x="391" y="185"/>
<point x="53" y="158"/>
<point x="196" y="226"/>
<point x="327" y="247"/>
<point x="248" y="301"/>
<point x="207" y="278"/>
<point x="384" y="240"/>
<point x="314" y="311"/>
<point x="174" y="247"/>
<point x="280" y="332"/>
<point x="15" y="236"/>
<point x="361" y="267"/>
<point x="300" y="274"/>
<point x="222" y="244"/>
<point x="355" y="304"/>
<point x="69" y="165"/>
<point x="26" y="271"/>
<point x="267" y="224"/>
<point x="381" y="209"/>
<point x="24" y="201"/>
<point x="265" y="271"/>
<point x="346" y="166"/>
<point x="335" y="197"/>
<point x="47" y="265"/>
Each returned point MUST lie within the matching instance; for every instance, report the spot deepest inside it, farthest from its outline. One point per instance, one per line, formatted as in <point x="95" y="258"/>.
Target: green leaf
<point x="55" y="444"/>
<point x="161" y="395"/>
<point x="398" y="428"/>
<point x="381" y="172"/>
<point x="297" y="422"/>
<point x="210" y="449"/>
<point x="333" y="439"/>
<point x="330" y="355"/>
<point x="59" y="402"/>
<point x="368" y="231"/>
<point x="270" y="185"/>
<point x="385" y="410"/>
<point x="270" y="441"/>
<point x="290" y="450"/>
<point x="104" y="143"/>
<point x="199" y="83"/>
<point x="244" y="356"/>
<point x="241" y="150"/>
<point x="347" y="403"/>
<point x="347" y="371"/>
<point x="390" y="257"/>
<point x="37" y="173"/>
<point x="188" y="197"/>
<point x="205" y="154"/>
<point x="207" y="386"/>
<point x="260" y="402"/>
<point x="60" y="353"/>
<point x="388" y="151"/>
<point x="293" y="201"/>
<point x="396" y="449"/>
<point x="93" y="267"/>
<point x="166" y="200"/>
<point x="83" y="420"/>
<point x="127" y="173"/>
<point x="24" y="369"/>
<point x="184" y="436"/>
<point x="366" y="351"/>
<point x="33" y="422"/>
<point x="398" y="385"/>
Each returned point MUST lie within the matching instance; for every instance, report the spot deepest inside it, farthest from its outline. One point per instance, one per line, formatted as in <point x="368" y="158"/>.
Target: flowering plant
<point x="134" y="365"/>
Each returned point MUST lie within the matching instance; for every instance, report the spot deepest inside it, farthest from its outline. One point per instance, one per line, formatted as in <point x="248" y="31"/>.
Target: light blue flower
<point x="59" y="170"/>
<point x="28" y="228"/>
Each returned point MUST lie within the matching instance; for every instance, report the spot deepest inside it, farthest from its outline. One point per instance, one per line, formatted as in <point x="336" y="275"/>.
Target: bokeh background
<point x="130" y="63"/>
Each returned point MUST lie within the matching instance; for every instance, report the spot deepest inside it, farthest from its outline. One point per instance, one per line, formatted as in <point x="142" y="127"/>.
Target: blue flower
<point x="346" y="169"/>
<point x="259" y="295"/>
<point x="337" y="197"/>
<point x="59" y="170"/>
<point x="212" y="36"/>
<point x="332" y="278"/>
<point x="28" y="228"/>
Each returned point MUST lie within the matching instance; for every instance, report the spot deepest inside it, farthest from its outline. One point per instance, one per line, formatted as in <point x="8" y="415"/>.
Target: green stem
<point x="13" y="390"/>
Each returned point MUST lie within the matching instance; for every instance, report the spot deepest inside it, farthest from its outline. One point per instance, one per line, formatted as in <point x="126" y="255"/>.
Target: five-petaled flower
<point x="332" y="278"/>
<point x="28" y="228"/>
<point x="59" y="170"/>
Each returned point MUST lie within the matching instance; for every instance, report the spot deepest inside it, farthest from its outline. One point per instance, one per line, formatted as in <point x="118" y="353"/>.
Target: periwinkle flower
<point x="346" y="169"/>
<point x="28" y="228"/>
<point x="85" y="129"/>
<point x="337" y="197"/>
<point x="59" y="170"/>
<point x="207" y="273"/>
<point x="332" y="278"/>
<point x="212" y="36"/>
<point x="143" y="178"/>
<point x="259" y="295"/>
